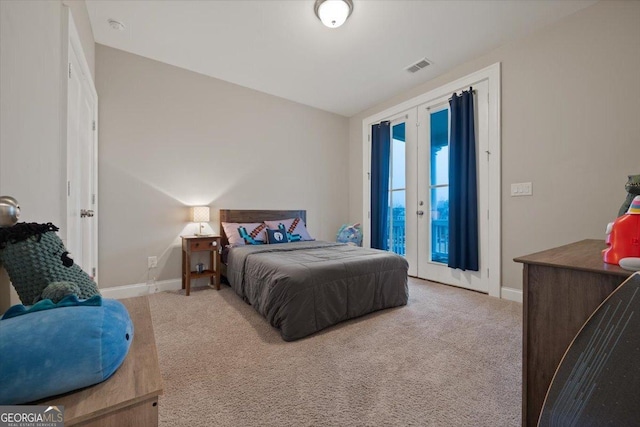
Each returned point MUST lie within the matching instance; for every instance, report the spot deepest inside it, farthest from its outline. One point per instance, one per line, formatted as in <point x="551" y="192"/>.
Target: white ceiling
<point x="281" y="48"/>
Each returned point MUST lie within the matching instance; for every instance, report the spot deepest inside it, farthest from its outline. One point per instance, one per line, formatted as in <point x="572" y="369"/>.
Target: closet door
<point x="81" y="226"/>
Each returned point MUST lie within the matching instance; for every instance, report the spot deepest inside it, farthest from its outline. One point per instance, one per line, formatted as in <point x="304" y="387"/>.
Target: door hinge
<point x="94" y="125"/>
<point x="93" y="272"/>
<point x="369" y="176"/>
<point x="93" y="199"/>
<point x="69" y="69"/>
<point x="68" y="188"/>
<point x="487" y="272"/>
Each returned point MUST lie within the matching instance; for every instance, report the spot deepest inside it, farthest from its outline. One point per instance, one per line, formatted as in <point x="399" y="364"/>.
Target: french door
<point x="426" y="121"/>
<point x="418" y="197"/>
<point x="402" y="223"/>
<point x="432" y="186"/>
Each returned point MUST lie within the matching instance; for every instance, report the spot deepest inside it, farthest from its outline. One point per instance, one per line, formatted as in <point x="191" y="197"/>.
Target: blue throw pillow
<point x="277" y="236"/>
<point x="52" y="351"/>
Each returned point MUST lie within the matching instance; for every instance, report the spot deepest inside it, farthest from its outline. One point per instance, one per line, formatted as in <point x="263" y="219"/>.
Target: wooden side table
<point x="562" y="288"/>
<point x="192" y="244"/>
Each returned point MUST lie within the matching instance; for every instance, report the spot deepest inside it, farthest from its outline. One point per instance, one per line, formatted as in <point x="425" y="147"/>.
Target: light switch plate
<point x="521" y="189"/>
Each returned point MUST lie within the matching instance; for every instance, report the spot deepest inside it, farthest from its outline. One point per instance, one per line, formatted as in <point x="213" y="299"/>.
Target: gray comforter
<point x="303" y="287"/>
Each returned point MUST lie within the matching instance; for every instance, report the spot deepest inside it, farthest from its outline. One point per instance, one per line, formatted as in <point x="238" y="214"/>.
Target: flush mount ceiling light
<point x="115" y="25"/>
<point x="333" y="13"/>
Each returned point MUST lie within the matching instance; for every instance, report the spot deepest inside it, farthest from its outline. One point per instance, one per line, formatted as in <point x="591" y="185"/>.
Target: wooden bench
<point x="130" y="396"/>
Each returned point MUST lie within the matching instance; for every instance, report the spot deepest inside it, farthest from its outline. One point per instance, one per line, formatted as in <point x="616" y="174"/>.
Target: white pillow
<point x="248" y="233"/>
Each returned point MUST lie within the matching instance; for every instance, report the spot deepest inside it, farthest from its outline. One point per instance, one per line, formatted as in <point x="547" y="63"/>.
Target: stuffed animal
<point x="623" y="239"/>
<point x="633" y="189"/>
<point x="350" y="234"/>
<point x="39" y="266"/>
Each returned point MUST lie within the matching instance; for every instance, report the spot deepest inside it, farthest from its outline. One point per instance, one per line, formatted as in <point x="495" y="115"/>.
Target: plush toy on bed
<point x="350" y="234"/>
<point x="39" y="266"/>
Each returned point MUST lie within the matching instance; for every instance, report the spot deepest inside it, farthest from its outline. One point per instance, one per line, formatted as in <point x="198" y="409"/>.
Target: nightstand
<point x="191" y="244"/>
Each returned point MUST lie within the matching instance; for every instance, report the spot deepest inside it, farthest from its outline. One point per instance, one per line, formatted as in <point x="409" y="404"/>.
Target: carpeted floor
<point x="451" y="357"/>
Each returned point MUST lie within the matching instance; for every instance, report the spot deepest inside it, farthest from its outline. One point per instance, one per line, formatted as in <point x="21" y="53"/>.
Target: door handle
<point x="420" y="213"/>
<point x="86" y="213"/>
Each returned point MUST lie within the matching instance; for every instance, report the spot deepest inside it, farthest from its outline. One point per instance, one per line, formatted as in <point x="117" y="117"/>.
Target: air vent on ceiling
<point x="423" y="63"/>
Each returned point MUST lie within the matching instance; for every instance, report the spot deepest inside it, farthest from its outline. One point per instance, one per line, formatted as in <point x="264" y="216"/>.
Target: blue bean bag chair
<point x="53" y="348"/>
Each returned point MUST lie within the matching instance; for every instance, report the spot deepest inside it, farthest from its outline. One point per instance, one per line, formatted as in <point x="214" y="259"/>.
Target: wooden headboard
<point x="237" y="215"/>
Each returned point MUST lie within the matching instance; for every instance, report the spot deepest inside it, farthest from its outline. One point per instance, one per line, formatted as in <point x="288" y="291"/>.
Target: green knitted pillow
<point x="37" y="263"/>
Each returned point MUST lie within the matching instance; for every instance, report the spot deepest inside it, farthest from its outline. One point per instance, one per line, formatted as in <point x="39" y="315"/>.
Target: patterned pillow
<point x="240" y="234"/>
<point x="295" y="228"/>
<point x="276" y="236"/>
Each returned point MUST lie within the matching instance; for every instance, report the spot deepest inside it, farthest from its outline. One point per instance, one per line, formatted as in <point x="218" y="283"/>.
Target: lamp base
<point x="200" y="233"/>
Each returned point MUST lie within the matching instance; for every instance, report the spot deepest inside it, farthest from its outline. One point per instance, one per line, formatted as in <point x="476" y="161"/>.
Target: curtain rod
<point x="471" y="89"/>
<point x="397" y="119"/>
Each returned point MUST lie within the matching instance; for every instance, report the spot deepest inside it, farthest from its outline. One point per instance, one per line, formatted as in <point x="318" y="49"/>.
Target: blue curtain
<point x="463" y="187"/>
<point x="380" y="156"/>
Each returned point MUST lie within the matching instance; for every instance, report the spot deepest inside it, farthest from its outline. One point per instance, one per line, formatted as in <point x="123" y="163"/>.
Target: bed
<point x="303" y="287"/>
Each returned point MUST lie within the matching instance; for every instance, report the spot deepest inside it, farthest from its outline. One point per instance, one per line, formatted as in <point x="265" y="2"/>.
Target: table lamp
<point x="200" y="214"/>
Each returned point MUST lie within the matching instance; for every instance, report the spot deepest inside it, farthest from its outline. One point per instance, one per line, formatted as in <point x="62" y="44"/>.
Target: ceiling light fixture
<point x="333" y="13"/>
<point x="115" y="25"/>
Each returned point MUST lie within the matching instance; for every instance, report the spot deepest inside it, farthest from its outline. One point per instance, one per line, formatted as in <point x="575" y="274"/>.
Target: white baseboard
<point x="511" y="294"/>
<point x="129" y="291"/>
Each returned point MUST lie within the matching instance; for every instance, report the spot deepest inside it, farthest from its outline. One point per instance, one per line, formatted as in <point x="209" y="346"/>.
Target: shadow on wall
<point x="143" y="214"/>
<point x="137" y="220"/>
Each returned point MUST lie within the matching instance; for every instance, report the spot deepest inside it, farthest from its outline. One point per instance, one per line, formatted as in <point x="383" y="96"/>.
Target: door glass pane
<point x="439" y="188"/>
<point x="440" y="147"/>
<point x="440" y="224"/>
<point x="397" y="220"/>
<point x="397" y="193"/>
<point x="398" y="157"/>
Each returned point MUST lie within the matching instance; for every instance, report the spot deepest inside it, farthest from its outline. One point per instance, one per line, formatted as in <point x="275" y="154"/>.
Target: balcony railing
<point x="439" y="241"/>
<point x="397" y="239"/>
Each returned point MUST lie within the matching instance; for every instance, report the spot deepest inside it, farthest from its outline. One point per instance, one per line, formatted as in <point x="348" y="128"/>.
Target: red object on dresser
<point x="624" y="239"/>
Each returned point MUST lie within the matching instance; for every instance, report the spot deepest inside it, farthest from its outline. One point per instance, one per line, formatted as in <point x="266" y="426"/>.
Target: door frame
<point x="492" y="75"/>
<point x="74" y="43"/>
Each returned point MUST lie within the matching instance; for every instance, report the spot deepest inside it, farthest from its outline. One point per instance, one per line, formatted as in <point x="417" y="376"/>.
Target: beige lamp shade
<point x="200" y="214"/>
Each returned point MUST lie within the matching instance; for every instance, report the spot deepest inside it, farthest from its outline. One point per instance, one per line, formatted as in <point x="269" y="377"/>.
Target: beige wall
<point x="570" y="125"/>
<point x="170" y="138"/>
<point x="32" y="109"/>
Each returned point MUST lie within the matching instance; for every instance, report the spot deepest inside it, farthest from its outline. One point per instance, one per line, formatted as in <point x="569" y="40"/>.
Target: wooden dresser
<point x="130" y="397"/>
<point x="562" y="288"/>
